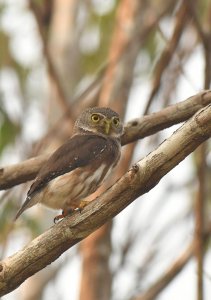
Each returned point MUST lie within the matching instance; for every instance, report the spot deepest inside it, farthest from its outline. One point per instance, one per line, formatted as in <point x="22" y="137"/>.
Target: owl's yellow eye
<point x="116" y="121"/>
<point x="95" y="118"/>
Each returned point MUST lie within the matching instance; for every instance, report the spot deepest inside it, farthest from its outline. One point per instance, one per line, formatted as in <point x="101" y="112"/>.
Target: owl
<point x="78" y="167"/>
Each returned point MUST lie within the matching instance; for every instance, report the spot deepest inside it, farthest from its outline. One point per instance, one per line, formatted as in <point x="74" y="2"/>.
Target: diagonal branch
<point x="138" y="180"/>
<point x="167" y="54"/>
<point x="165" y="118"/>
<point x="168" y="275"/>
<point x="176" y="267"/>
<point x="134" y="130"/>
<point x="53" y="74"/>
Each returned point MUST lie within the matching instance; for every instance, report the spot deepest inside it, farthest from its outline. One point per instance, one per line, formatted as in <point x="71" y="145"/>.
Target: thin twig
<point x="51" y="68"/>
<point x="167" y="53"/>
<point x="167" y="276"/>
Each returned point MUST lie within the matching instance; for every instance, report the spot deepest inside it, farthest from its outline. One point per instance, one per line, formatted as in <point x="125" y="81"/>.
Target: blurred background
<point x="58" y="57"/>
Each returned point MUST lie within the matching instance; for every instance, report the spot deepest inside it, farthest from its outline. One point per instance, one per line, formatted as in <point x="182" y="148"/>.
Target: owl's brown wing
<point x="78" y="151"/>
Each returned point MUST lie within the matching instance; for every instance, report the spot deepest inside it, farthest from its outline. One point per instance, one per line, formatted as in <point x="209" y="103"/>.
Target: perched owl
<point x="77" y="168"/>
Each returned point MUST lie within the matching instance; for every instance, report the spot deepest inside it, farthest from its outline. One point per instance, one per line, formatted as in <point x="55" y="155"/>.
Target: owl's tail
<point x="29" y="202"/>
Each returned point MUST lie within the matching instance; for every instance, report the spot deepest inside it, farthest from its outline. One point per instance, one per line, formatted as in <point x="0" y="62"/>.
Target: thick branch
<point x="138" y="180"/>
<point x="21" y="172"/>
<point x="171" y="115"/>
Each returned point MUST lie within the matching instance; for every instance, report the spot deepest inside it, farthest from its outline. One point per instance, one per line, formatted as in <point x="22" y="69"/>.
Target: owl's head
<point x="101" y="120"/>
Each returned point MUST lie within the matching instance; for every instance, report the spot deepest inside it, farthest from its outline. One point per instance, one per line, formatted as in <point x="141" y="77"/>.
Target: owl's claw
<point x="64" y="213"/>
<point x="58" y="219"/>
<point x="69" y="211"/>
<point x="83" y="203"/>
<point x="78" y="209"/>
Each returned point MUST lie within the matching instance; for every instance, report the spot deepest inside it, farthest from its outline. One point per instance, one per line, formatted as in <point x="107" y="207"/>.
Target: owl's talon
<point x="57" y="219"/>
<point x="78" y="209"/>
<point x="64" y="213"/>
<point x="82" y="205"/>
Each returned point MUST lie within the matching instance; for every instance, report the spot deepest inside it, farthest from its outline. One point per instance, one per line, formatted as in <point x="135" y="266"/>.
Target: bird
<point x="80" y="165"/>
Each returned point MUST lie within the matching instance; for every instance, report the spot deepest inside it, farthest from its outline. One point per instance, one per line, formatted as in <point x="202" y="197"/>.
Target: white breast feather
<point x="96" y="175"/>
<point x="73" y="187"/>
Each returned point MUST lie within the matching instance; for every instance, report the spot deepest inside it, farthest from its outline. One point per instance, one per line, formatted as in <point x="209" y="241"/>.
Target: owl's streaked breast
<point x="67" y="190"/>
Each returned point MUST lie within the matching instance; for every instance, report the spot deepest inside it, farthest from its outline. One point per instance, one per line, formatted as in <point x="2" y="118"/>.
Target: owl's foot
<point x="64" y="213"/>
<point x="82" y="204"/>
<point x="69" y="211"/>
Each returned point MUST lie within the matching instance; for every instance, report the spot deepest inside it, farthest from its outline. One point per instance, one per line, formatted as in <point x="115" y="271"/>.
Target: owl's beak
<point x="107" y="125"/>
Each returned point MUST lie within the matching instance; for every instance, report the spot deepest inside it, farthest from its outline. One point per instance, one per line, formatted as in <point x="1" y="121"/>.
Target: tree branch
<point x="134" y="130"/>
<point x="21" y="172"/>
<point x="173" y="270"/>
<point x="167" y="54"/>
<point x="168" y="275"/>
<point x="171" y="115"/>
<point x="138" y="180"/>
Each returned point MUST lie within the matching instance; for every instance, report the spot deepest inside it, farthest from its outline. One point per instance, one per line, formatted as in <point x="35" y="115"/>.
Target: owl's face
<point x="100" y="120"/>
